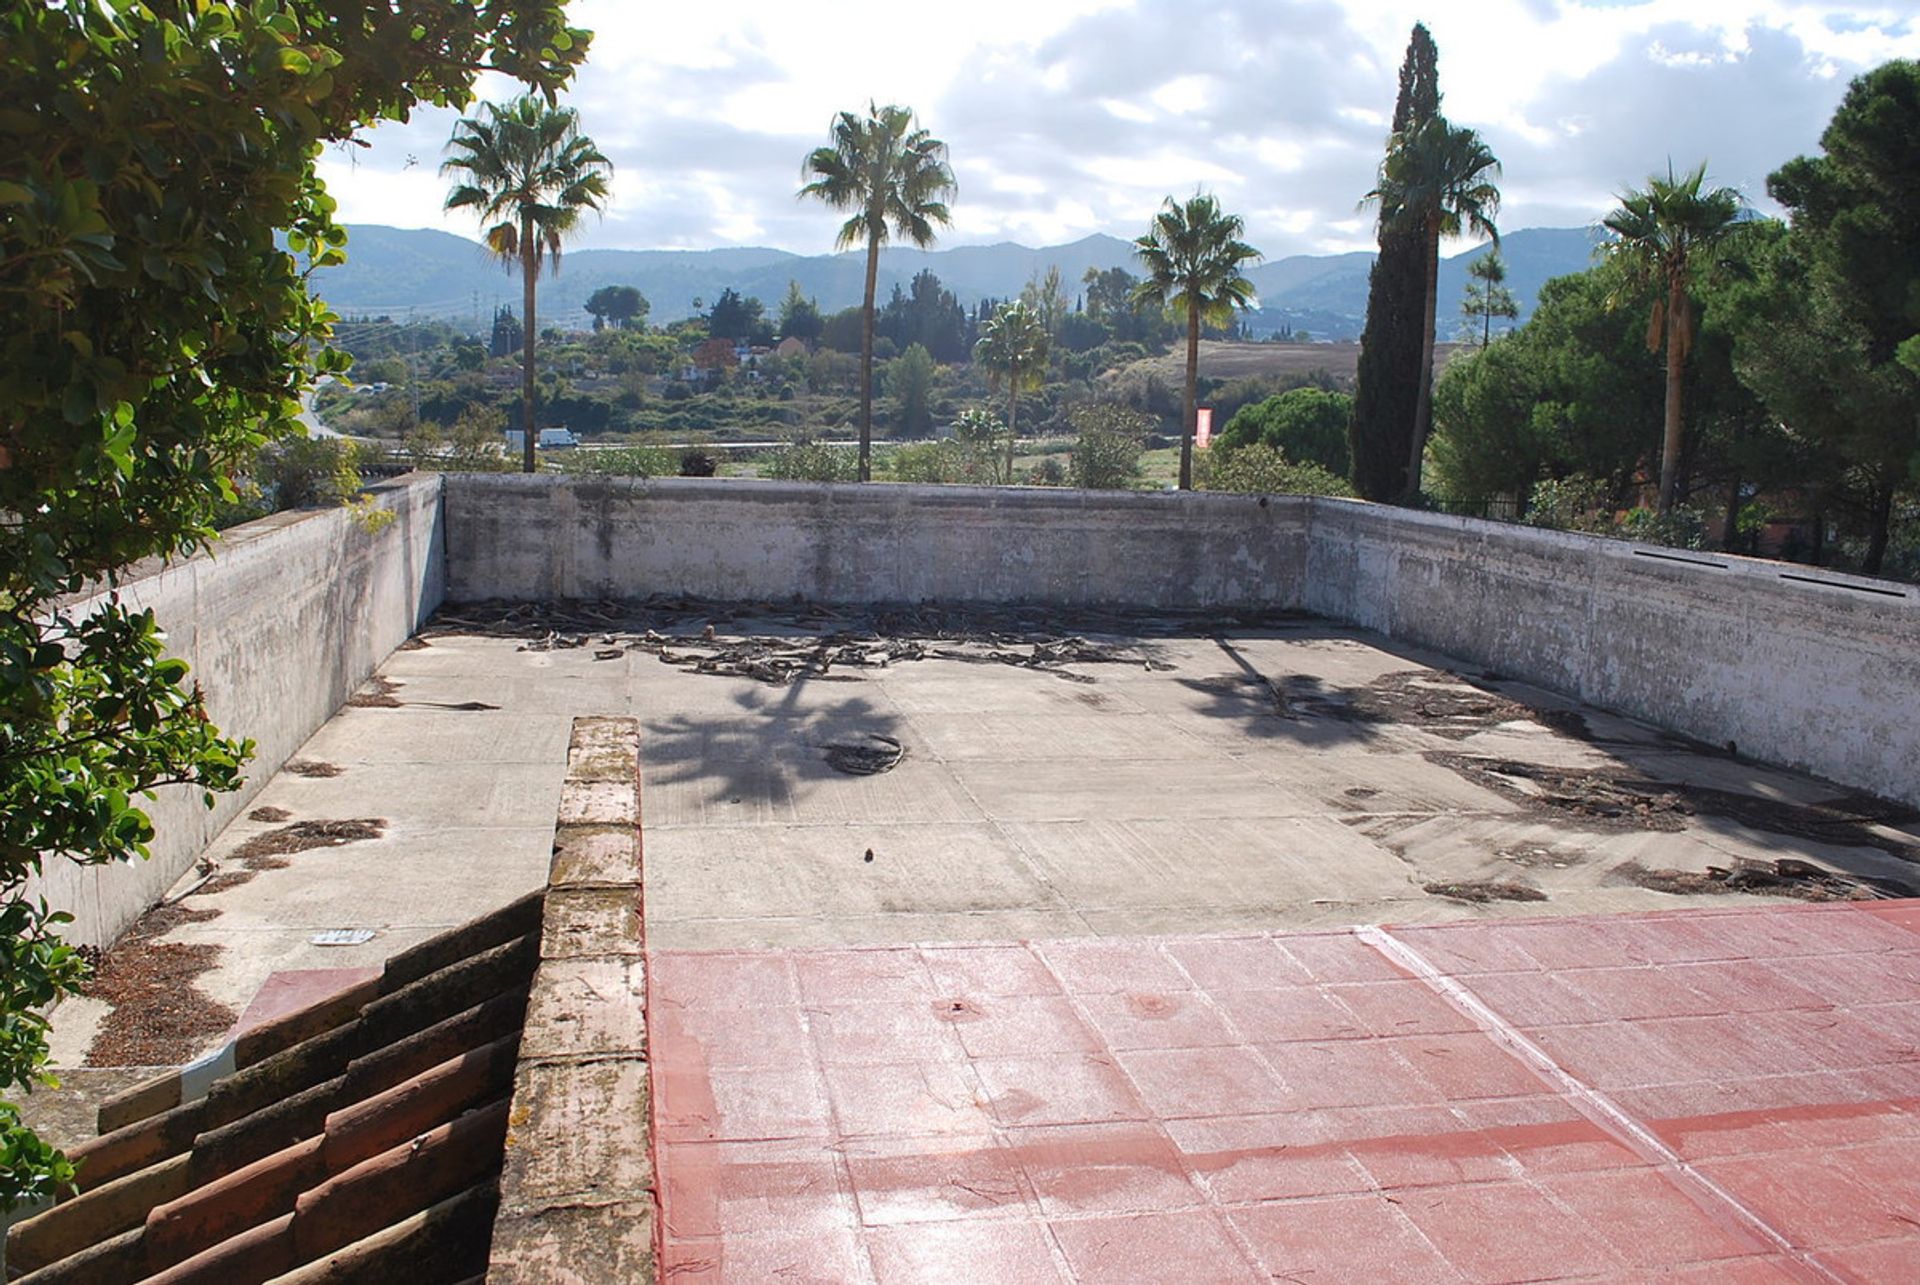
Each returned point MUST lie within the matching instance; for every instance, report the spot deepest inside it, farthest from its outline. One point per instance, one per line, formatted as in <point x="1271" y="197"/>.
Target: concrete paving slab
<point x="1267" y="864"/>
<point x="1065" y="790"/>
<point x="709" y="872"/>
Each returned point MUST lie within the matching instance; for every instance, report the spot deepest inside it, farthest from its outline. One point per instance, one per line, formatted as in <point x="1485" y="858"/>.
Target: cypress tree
<point x="1387" y="385"/>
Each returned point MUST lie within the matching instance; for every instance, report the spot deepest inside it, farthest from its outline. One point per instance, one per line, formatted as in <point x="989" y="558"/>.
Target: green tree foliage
<point x="1437" y="179"/>
<point x="1012" y="349"/>
<point x="1572" y="391"/>
<point x="734" y="317"/>
<point x="800" y="316"/>
<point x="624" y="306"/>
<point x="154" y="336"/>
<point x="1306" y="425"/>
<point x="1194" y="259"/>
<point x="926" y="314"/>
<point x="1107" y="444"/>
<point x="1486" y="297"/>
<point x="527" y="171"/>
<point x="892" y="178"/>
<point x="1387" y="383"/>
<point x="1261" y="469"/>
<point x="1046" y="294"/>
<point x="910" y="382"/>
<point x="1848" y="284"/>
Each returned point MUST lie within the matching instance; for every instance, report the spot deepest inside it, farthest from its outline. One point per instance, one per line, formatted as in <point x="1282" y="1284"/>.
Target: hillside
<point x="434" y="274"/>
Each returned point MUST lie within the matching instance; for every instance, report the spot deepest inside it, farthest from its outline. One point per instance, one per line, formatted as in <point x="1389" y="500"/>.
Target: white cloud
<point x="1077" y="116"/>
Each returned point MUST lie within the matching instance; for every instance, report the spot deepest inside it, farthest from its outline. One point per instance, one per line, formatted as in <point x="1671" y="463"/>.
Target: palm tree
<point x="528" y="166"/>
<point x="1436" y="180"/>
<point x="1657" y="233"/>
<point x="1193" y="254"/>
<point x="1013" y="348"/>
<point x="894" y="178"/>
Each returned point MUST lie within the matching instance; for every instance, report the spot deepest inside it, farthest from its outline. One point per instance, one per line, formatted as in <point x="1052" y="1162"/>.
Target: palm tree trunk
<point x="1423" y="403"/>
<point x="1013" y="415"/>
<point x="1193" y="379"/>
<point x="866" y="359"/>
<point x="529" y="267"/>
<point x="1679" y="322"/>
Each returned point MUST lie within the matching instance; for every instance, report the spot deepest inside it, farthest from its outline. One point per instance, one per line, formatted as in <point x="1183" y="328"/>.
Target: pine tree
<point x="1486" y="297"/>
<point x="1387" y="386"/>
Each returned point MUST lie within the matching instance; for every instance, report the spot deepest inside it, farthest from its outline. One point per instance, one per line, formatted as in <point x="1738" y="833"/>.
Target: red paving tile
<point x="1358" y="1238"/>
<point x="1191" y="1246"/>
<point x="1301" y="1107"/>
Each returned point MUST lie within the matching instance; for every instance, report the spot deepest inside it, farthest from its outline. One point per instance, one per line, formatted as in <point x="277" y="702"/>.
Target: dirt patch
<point x="1482" y="891"/>
<point x="269" y="814"/>
<point x="313" y="768"/>
<point x="158" y="1017"/>
<point x="414" y="644"/>
<point x="1436" y="701"/>
<point x="378" y="694"/>
<point x="303" y="836"/>
<point x="866" y="755"/>
<point x="1783" y="878"/>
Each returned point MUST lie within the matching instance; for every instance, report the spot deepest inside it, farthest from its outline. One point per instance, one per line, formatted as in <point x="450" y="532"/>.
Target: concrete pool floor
<point x="1201" y="779"/>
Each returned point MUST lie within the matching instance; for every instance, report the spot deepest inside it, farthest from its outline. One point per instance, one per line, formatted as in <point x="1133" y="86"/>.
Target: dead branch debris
<point x="313" y="768"/>
<point x="1622" y="798"/>
<point x="1482" y="891"/>
<point x="780" y="644"/>
<point x="1783" y="878"/>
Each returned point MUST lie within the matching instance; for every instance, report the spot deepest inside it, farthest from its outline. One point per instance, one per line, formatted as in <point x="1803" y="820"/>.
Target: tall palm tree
<point x="893" y="177"/>
<point x="527" y="170"/>
<point x="1013" y="348"/>
<point x="1436" y="180"/>
<point x="1658" y="234"/>
<point x="1193" y="254"/>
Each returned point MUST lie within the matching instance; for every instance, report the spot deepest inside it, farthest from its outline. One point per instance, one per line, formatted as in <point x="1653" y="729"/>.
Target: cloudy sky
<point x="1067" y="117"/>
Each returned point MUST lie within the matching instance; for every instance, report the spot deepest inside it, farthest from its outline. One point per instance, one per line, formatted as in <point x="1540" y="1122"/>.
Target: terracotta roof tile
<point x="379" y="1108"/>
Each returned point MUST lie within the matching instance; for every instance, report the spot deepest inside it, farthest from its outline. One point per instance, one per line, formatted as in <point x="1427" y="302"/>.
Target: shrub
<point x="1106" y="453"/>
<point x="1261" y="469"/>
<point x="811" y="462"/>
<point x="622" y="461"/>
<point x="698" y="463"/>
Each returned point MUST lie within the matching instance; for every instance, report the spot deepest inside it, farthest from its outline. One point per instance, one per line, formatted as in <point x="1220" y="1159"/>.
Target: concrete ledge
<point x="577" y="1191"/>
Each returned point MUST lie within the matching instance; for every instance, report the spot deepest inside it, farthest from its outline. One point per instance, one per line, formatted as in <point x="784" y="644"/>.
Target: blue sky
<point x="1068" y="117"/>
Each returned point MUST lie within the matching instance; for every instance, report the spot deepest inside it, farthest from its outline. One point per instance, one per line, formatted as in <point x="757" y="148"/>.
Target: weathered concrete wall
<point x="517" y="537"/>
<point x="280" y="621"/>
<point x="1796" y="666"/>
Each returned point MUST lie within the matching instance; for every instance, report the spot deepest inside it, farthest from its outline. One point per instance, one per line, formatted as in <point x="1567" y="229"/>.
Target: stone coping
<point x="578" y="1200"/>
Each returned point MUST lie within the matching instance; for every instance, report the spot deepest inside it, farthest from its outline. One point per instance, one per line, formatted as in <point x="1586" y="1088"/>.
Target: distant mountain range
<point x="396" y="272"/>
